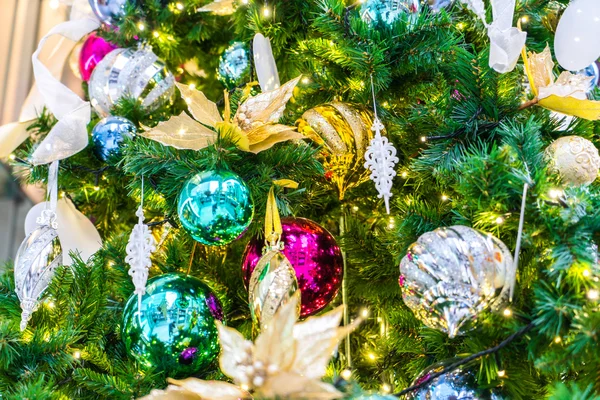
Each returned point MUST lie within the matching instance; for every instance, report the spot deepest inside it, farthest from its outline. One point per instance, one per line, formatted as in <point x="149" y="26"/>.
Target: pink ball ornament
<point x="315" y="257"/>
<point x="92" y="52"/>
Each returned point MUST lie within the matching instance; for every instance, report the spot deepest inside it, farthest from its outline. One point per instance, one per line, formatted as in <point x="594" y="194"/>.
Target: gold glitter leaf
<point x="181" y="132"/>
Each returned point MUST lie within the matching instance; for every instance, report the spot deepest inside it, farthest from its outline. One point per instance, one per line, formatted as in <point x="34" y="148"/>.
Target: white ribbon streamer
<point x="69" y="135"/>
<point x="506" y="41"/>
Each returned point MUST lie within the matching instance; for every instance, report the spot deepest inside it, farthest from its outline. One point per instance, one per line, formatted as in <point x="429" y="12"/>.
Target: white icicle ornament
<point x="381" y="160"/>
<point x="139" y="248"/>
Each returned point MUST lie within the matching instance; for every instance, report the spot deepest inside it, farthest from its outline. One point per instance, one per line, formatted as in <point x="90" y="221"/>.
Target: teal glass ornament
<point x="388" y="11"/>
<point x="175" y="330"/>
<point x="234" y="65"/>
<point x="215" y="207"/>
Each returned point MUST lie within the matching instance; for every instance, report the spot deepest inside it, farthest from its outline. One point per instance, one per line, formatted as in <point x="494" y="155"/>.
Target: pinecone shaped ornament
<point x="35" y="264"/>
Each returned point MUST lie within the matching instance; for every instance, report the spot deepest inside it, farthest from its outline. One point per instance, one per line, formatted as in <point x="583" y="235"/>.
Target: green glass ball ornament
<point x="215" y="207"/>
<point x="173" y="327"/>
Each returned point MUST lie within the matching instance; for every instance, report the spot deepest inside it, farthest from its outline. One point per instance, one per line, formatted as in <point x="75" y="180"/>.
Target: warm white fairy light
<point x="346" y="374"/>
<point x="96" y="188"/>
<point x="179" y="6"/>
<point x="355" y="208"/>
<point x="501" y="374"/>
<point x="266" y="11"/>
<point x="423" y="139"/>
<point x="50" y="304"/>
<point x="444" y="197"/>
<point x="507" y="312"/>
<point x="155" y="34"/>
<point x="305" y="80"/>
<point x="385" y="388"/>
<point x="141" y="26"/>
<point x="524" y="19"/>
<point x="404" y="174"/>
<point x="372" y="356"/>
<point x="557" y="339"/>
<point x="499" y="221"/>
<point x="555" y="193"/>
<point x="364" y="312"/>
<point x="593" y="294"/>
<point x="77" y="354"/>
<point x="586" y="273"/>
<point x="12" y="157"/>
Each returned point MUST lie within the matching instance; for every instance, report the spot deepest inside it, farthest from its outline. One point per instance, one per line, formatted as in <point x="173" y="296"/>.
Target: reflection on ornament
<point x="93" y="50"/>
<point x="315" y="256"/>
<point x="74" y="57"/>
<point x="387" y="11"/>
<point x="344" y="132"/>
<point x="272" y="284"/>
<point x="592" y="72"/>
<point x="437" y="5"/>
<point x="215" y="207"/>
<point x="108" y="136"/>
<point x="35" y="263"/>
<point x="457" y="384"/>
<point x="450" y="275"/>
<point x="174" y="330"/>
<point x="108" y="10"/>
<point x="234" y="65"/>
<point x="575" y="159"/>
<point x="132" y="73"/>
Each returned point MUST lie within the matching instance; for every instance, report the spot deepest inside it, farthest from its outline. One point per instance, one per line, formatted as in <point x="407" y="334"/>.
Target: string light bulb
<point x="155" y="34"/>
<point x="364" y="312"/>
<point x="179" y="6"/>
<point x="507" y="312"/>
<point x="593" y="294"/>
<point x="371" y="356"/>
<point x="499" y="221"/>
<point x="444" y="197"/>
<point x="141" y="26"/>
<point x="346" y="374"/>
<point x="266" y="11"/>
<point x="385" y="388"/>
<point x="12" y="157"/>
<point x="501" y="374"/>
<point x="305" y="80"/>
<point x="96" y="188"/>
<point x="77" y="354"/>
<point x="557" y="339"/>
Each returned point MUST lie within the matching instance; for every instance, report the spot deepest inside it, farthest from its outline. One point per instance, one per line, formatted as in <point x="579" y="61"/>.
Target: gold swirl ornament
<point x="344" y="132"/>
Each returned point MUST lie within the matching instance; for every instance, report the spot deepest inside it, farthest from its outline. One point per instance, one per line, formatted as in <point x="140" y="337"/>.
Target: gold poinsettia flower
<point x="287" y="360"/>
<point x="566" y="95"/>
<point x="254" y="127"/>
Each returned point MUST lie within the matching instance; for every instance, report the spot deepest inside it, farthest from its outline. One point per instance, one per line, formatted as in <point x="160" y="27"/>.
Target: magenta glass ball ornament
<point x="92" y="52"/>
<point x="315" y="257"/>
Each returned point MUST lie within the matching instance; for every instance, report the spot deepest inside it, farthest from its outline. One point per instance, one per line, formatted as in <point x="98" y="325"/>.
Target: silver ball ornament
<point x="575" y="159"/>
<point x="108" y="10"/>
<point x="134" y="73"/>
<point x="451" y="275"/>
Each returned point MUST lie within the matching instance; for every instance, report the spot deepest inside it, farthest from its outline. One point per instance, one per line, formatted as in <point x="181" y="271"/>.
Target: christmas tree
<point x="222" y="155"/>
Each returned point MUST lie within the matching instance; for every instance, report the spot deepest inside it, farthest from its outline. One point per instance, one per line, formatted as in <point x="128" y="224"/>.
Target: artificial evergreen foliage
<point x="467" y="141"/>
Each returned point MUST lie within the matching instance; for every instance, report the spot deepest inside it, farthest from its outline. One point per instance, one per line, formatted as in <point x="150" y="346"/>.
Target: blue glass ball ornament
<point x="107" y="10"/>
<point x="215" y="207"/>
<point x="234" y="65"/>
<point x="591" y="71"/>
<point x="456" y="384"/>
<point x="387" y="11"/>
<point x="174" y="330"/>
<point x="108" y="136"/>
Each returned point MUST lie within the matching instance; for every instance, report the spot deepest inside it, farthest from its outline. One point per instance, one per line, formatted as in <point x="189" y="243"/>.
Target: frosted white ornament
<point x="37" y="258"/>
<point x="575" y="43"/>
<point x="381" y="159"/>
<point x="139" y="249"/>
<point x="575" y="159"/>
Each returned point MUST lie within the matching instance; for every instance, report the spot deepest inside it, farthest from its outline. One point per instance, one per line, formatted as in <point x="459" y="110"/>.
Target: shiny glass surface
<point x="315" y="256"/>
<point x="108" y="136"/>
<point x="174" y="330"/>
<point x="215" y="207"/>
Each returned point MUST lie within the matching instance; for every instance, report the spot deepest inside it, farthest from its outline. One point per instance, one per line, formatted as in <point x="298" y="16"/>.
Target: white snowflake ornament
<point x="139" y="249"/>
<point x="381" y="159"/>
